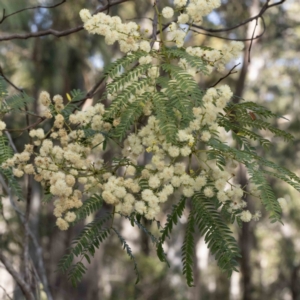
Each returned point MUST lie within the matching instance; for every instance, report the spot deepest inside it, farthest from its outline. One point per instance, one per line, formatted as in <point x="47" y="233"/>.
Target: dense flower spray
<point x="66" y="163"/>
<point x="167" y="137"/>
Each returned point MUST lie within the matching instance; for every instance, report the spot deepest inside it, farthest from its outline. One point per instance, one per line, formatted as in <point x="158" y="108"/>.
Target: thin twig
<point x="12" y="144"/>
<point x="19" y="89"/>
<point x="36" y="280"/>
<point x="249" y="50"/>
<point x="163" y="28"/>
<point x="10" y="298"/>
<point x="41" y="33"/>
<point x="229" y="73"/>
<point x="90" y="93"/>
<point x="108" y="3"/>
<point x="8" y="192"/>
<point x="17" y="277"/>
<point x="4" y="16"/>
<point x="234" y="39"/>
<point x="10" y="82"/>
<point x="27" y="213"/>
<point x="154" y="25"/>
<point x="106" y="7"/>
<point x="26" y="231"/>
<point x="41" y="266"/>
<point x="28" y="127"/>
<point x="265" y="7"/>
<point x="94" y="90"/>
<point x="56" y="33"/>
<point x="277" y="3"/>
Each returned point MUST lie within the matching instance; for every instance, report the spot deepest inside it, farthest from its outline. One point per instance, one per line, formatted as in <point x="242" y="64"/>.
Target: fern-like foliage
<point x="135" y="220"/>
<point x="251" y="160"/>
<point x="260" y="124"/>
<point x="143" y="183"/>
<point x="91" y="205"/>
<point x="239" y="131"/>
<point x="188" y="250"/>
<point x="219" y="157"/>
<point x="267" y="195"/>
<point x="130" y="115"/>
<point x="173" y="107"/>
<point x="3" y="88"/>
<point x="286" y="175"/>
<point x="132" y="75"/>
<point x="5" y="150"/>
<point x="121" y="102"/>
<point x="247" y="114"/>
<point x="259" y="110"/>
<point x="85" y="246"/>
<point x="129" y="252"/>
<point x="185" y="81"/>
<point x="218" y="236"/>
<point x="47" y="197"/>
<point x="180" y="100"/>
<point x="172" y="219"/>
<point x="194" y="62"/>
<point x="280" y="176"/>
<point x="12" y="183"/>
<point x="6" y="153"/>
<point x="16" y="102"/>
<point x="230" y="217"/>
<point x="90" y="238"/>
<point x="120" y="64"/>
<point x="76" y="273"/>
<point x="165" y="116"/>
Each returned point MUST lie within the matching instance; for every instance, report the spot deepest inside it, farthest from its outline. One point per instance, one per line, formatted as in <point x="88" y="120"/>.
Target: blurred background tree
<point x="270" y="266"/>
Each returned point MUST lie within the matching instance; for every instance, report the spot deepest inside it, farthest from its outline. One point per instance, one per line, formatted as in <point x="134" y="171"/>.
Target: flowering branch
<point x="265" y="7"/>
<point x="181" y="130"/>
<point x="234" y="39"/>
<point x="57" y="33"/>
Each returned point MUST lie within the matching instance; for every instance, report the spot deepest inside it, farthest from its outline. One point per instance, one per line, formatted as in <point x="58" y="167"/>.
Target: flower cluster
<point x="197" y="9"/>
<point x="193" y="12"/>
<point x="130" y="38"/>
<point x="127" y="34"/>
<point x="167" y="173"/>
<point x="217" y="58"/>
<point x="62" y="162"/>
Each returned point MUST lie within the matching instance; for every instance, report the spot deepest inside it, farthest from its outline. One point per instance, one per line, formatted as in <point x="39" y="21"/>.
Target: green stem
<point x="160" y="28"/>
<point x="113" y="217"/>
